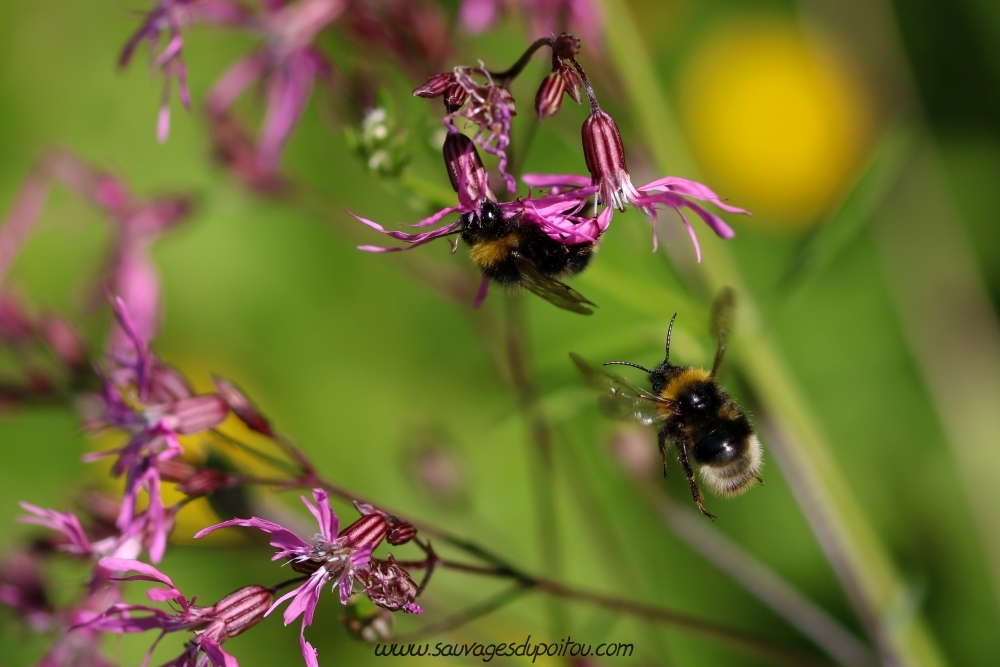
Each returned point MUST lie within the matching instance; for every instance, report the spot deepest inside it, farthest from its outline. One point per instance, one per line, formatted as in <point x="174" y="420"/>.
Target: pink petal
<point x="413" y="239"/>
<point x="281" y="537"/>
<point x="232" y="84"/>
<point x="329" y="524"/>
<point x="63" y="522"/>
<point x="694" y="237"/>
<point x="556" y="180"/>
<point x="20" y="221"/>
<point x="692" y="189"/>
<point x="111" y="566"/>
<point x="484" y="287"/>
<point x="717" y="224"/>
<point x="308" y="652"/>
<point x="215" y="653"/>
<point x="307" y="598"/>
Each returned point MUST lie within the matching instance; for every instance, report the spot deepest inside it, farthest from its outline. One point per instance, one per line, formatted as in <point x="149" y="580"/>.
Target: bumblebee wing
<point x="550" y="289"/>
<point x="722" y="322"/>
<point x="621" y="399"/>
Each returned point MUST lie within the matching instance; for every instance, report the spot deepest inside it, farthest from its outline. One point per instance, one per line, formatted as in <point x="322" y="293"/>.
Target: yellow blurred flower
<point x="777" y="118"/>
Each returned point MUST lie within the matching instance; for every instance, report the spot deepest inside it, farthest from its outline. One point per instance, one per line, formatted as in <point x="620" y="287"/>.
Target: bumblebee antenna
<point x="627" y="363"/>
<point x="670" y="330"/>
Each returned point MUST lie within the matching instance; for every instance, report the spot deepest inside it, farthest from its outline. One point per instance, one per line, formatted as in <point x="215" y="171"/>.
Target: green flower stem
<point x="945" y="311"/>
<point x="860" y="559"/>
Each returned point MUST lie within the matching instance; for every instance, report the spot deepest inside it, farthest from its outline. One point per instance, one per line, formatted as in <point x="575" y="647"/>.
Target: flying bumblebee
<point x="694" y="413"/>
<point x="512" y="252"/>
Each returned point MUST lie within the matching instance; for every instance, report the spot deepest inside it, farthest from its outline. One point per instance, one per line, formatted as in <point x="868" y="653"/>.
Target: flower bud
<point x="242" y="407"/>
<point x="193" y="415"/>
<point x="465" y="169"/>
<point x="605" y="156"/>
<point x="549" y="96"/>
<point x="572" y="80"/>
<point x="435" y="85"/>
<point x="241" y="610"/>
<point x="401" y="533"/>
<point x="365" y="533"/>
<point x="455" y="97"/>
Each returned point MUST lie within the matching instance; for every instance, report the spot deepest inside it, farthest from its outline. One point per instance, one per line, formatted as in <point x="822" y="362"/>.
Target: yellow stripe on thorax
<point x="488" y="253"/>
<point x="684" y="379"/>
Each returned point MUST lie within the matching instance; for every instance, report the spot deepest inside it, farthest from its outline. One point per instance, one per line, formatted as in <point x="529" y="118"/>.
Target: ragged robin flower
<point x="342" y="557"/>
<point x="671" y="192"/>
<point x="287" y="65"/>
<point x="155" y="404"/>
<point x="212" y="625"/>
<point x="163" y="23"/>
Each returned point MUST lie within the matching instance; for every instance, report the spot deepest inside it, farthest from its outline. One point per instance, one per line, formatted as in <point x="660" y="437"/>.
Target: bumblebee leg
<point x="689" y="472"/>
<point x="662" y="440"/>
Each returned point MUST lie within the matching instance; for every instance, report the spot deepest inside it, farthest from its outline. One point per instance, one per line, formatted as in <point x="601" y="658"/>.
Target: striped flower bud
<point x="605" y="156"/>
<point x="401" y="533"/>
<point x="365" y="533"/>
<point x="465" y="169"/>
<point x="549" y="96"/>
<point x="572" y="80"/>
<point x="454" y="97"/>
<point x="242" y="407"/>
<point x="435" y="85"/>
<point x="239" y="611"/>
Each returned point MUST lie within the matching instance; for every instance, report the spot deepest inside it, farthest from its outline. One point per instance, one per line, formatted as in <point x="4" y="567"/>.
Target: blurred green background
<point x="865" y="137"/>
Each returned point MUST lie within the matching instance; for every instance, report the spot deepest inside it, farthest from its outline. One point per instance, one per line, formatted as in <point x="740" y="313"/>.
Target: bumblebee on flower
<point x="537" y="241"/>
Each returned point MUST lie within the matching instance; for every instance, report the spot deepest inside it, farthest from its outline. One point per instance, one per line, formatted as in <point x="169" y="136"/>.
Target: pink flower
<point x="671" y="191"/>
<point x="22" y="588"/>
<point x="232" y="615"/>
<point x="544" y="17"/>
<point x="162" y="408"/>
<point x="288" y="64"/>
<point x="146" y="531"/>
<point x="329" y="556"/>
<point x="136" y="225"/>
<point x="164" y="22"/>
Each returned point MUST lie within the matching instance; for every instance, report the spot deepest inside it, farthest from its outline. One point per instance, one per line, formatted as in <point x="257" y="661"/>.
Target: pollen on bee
<point x="489" y="253"/>
<point x="685" y="378"/>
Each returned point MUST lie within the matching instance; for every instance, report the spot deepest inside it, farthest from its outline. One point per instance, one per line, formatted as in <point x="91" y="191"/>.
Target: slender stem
<point x="288" y="582"/>
<point x="267" y="458"/>
<point x="511" y="73"/>
<point x="594" y="106"/>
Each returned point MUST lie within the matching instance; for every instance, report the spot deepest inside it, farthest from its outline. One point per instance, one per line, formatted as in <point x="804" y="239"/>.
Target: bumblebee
<point x="511" y="252"/>
<point x="694" y="413"/>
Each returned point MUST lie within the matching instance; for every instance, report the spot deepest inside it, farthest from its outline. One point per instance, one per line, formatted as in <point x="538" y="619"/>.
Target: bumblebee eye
<point x="718" y="447"/>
